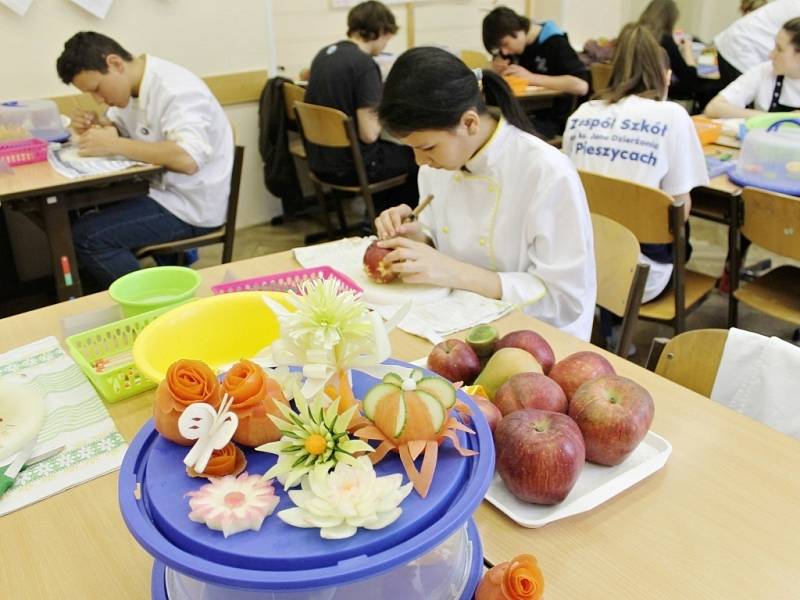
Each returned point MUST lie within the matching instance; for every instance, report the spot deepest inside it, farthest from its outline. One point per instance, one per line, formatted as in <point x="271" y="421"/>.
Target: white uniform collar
<point x="144" y="86"/>
<point x="480" y="160"/>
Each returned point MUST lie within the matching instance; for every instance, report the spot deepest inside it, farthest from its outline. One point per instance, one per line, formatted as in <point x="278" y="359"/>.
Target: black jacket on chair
<point x="280" y="175"/>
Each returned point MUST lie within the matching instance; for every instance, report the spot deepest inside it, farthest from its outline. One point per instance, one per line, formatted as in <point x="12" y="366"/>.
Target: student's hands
<point x="98" y="141"/>
<point x="518" y="71"/>
<point x="81" y="120"/>
<point x="500" y="63"/>
<point x="417" y="262"/>
<point x="389" y="224"/>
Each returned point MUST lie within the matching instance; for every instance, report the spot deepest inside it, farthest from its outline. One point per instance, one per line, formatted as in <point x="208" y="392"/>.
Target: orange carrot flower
<point x="520" y="579"/>
<point x="254" y="396"/>
<point x="228" y="461"/>
<point x="187" y="382"/>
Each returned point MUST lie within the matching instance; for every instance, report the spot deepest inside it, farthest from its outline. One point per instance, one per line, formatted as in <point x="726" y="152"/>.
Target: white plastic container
<point x="38" y="118"/>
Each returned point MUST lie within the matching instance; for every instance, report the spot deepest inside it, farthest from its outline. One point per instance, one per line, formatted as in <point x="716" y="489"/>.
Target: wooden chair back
<point x="690" y="359"/>
<point x="601" y="76"/>
<point x="643" y="210"/>
<point x="324" y="126"/>
<point x="475" y="59"/>
<point x="772" y="221"/>
<point x="292" y="93"/>
<point x="620" y="277"/>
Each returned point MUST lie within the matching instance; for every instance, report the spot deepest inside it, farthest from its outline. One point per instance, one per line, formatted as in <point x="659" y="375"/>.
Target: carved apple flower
<point x="342" y="500"/>
<point x="233" y="504"/>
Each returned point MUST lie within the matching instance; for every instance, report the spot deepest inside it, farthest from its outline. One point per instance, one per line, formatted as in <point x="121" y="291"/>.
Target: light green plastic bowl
<point x="154" y="287"/>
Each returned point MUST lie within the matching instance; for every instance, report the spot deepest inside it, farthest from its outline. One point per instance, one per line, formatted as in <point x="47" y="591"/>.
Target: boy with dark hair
<point x="345" y="76"/>
<point x="541" y="54"/>
<point x="158" y="113"/>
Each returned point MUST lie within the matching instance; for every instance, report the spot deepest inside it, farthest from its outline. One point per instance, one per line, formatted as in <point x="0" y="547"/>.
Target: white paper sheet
<point x="70" y="164"/>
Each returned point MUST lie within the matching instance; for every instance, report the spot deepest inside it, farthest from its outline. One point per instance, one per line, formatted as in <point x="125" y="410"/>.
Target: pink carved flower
<point x="233" y="504"/>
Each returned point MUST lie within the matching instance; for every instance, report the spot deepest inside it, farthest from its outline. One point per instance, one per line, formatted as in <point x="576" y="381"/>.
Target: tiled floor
<point x="708" y="239"/>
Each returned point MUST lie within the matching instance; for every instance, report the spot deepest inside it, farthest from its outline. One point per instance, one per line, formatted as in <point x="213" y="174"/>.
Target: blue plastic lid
<point x="280" y="557"/>
<point x="770" y="179"/>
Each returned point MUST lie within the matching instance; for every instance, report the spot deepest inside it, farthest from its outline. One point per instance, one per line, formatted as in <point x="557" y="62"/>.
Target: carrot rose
<point x="254" y="397"/>
<point x="520" y="579"/>
<point x="228" y="461"/>
<point x="187" y="382"/>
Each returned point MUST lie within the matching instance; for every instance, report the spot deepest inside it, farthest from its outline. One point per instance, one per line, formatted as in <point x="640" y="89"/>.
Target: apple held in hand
<point x="614" y="414"/>
<point x="375" y="267"/>
<point x="539" y="455"/>
<point x="533" y="343"/>
<point x="530" y="390"/>
<point x="576" y="369"/>
<point x="454" y="360"/>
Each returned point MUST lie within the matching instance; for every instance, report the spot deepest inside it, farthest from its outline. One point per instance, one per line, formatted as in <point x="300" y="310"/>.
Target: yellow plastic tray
<point x="217" y="330"/>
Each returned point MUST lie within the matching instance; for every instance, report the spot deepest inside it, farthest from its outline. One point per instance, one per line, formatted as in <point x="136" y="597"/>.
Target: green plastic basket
<point x="105" y="355"/>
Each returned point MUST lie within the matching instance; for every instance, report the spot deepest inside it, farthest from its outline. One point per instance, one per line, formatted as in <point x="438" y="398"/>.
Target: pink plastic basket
<point x="284" y="282"/>
<point x="23" y="152"/>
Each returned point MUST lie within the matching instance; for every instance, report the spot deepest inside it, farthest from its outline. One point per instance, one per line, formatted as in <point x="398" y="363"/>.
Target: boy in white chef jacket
<point x="159" y="113"/>
<point x="509" y="217"/>
<point x="631" y="132"/>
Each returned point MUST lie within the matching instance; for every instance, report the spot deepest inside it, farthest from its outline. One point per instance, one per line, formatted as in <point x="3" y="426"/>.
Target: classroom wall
<point x="197" y="34"/>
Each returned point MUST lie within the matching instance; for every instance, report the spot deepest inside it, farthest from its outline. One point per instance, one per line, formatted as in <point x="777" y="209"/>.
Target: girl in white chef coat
<point x="509" y="218"/>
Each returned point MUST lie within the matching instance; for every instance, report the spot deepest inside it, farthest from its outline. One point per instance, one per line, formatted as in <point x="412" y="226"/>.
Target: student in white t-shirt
<point x="772" y="86"/>
<point x="748" y="41"/>
<point x="509" y="218"/>
<point x="631" y="132"/>
<point x="159" y="113"/>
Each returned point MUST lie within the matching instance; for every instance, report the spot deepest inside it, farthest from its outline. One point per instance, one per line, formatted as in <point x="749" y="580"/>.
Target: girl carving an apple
<point x="509" y="219"/>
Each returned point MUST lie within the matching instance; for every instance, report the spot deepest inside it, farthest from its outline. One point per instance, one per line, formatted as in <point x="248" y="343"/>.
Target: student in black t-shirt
<point x="540" y="53"/>
<point x="345" y="76"/>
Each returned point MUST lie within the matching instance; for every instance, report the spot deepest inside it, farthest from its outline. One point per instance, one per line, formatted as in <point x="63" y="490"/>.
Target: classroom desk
<point x="535" y="97"/>
<point x="47" y="197"/>
<point x="716" y="522"/>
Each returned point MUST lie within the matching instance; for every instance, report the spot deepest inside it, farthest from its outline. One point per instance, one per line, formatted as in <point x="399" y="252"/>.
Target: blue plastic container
<point x="280" y="562"/>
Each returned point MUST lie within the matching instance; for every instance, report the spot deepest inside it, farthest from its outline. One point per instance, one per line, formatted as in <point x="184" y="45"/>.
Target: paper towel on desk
<point x="76" y="418"/>
<point x="435" y="313"/>
<point x="759" y="376"/>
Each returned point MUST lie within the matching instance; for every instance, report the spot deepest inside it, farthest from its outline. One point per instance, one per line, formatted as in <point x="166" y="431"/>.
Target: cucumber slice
<point x="417" y="374"/>
<point x="439" y="388"/>
<point x="435" y="409"/>
<point x="402" y="417"/>
<point x="374" y="396"/>
<point x="393" y="378"/>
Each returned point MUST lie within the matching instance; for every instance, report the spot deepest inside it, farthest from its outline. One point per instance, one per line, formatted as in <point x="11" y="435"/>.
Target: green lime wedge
<point x="483" y="339"/>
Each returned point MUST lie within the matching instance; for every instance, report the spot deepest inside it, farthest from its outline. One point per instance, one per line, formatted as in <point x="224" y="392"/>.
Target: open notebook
<point x="70" y="164"/>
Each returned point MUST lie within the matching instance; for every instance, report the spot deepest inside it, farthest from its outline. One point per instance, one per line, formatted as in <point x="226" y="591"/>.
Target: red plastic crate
<point x="283" y="282"/>
<point x="23" y="152"/>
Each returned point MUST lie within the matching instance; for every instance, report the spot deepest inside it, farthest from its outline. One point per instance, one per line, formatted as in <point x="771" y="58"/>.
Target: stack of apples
<point x="547" y="417"/>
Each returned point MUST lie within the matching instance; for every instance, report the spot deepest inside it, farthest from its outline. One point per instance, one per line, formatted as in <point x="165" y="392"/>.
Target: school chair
<point x="223" y="235"/>
<point x="690" y="359"/>
<point x="772" y="221"/>
<point x="654" y="219"/>
<point x="331" y="128"/>
<point x="475" y="59"/>
<point x="620" y="276"/>
<point x="294" y="93"/>
<point x="601" y="76"/>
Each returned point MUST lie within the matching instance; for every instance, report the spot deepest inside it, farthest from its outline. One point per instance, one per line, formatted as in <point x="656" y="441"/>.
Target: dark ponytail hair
<point x="429" y="88"/>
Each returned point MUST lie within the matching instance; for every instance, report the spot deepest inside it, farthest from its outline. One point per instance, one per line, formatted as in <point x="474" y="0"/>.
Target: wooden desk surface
<point x="537" y="91"/>
<point x="40" y="178"/>
<point x="721" y="183"/>
<point x="716" y="522"/>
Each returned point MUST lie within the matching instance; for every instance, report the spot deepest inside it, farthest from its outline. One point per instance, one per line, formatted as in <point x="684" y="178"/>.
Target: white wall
<point x="198" y="34"/>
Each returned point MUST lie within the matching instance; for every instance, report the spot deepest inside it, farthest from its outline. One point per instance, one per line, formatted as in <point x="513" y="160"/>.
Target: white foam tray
<point x="596" y="484"/>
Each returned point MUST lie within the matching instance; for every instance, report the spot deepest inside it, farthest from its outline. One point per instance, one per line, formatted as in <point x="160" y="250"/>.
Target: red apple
<point x="533" y="343"/>
<point x="539" y="455"/>
<point x="614" y="414"/>
<point x="530" y="390"/>
<point x="573" y="371"/>
<point x="374" y="266"/>
<point x="454" y="360"/>
<point x="489" y="410"/>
